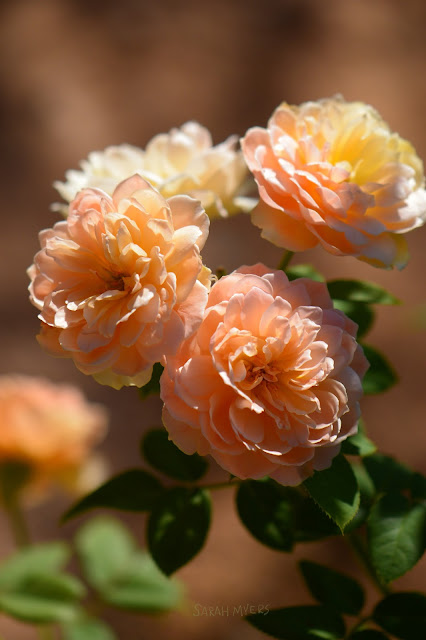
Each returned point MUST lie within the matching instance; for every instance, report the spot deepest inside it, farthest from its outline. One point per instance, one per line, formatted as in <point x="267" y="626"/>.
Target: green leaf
<point x="418" y="486"/>
<point x="143" y="587"/>
<point x="303" y="271"/>
<point x="178" y="526"/>
<point x="358" y="444"/>
<point x="336" y="491"/>
<point x="153" y="386"/>
<point x="403" y="615"/>
<point x="300" y="623"/>
<point x="360" y="291"/>
<point x="360" y="312"/>
<point x="104" y="546"/>
<point x="41" y="558"/>
<point x="164" y="456"/>
<point x="124" y="576"/>
<point x="133" y="490"/>
<point x="396" y="535"/>
<point x="380" y="376"/>
<point x="58" y="586"/>
<point x="32" y="588"/>
<point x="36" y="609"/>
<point x="267" y="513"/>
<point x="311" y="521"/>
<point x="389" y="475"/>
<point x="332" y="588"/>
<point x="87" y="629"/>
<point x="368" y="634"/>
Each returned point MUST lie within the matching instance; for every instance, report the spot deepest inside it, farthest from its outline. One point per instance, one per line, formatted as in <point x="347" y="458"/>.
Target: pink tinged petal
<point x="48" y="338"/>
<point x="281" y="229"/>
<point x="216" y="425"/>
<point x="255" y="304"/>
<point x="279" y="308"/>
<point x="188" y="439"/>
<point x="97" y="360"/>
<point x="88" y="340"/>
<point x="175" y="406"/>
<point x="188" y="212"/>
<point x="324" y="457"/>
<point x="254" y="138"/>
<point x="196" y="381"/>
<point x="249" y="464"/>
<point x="191" y="309"/>
<point x="291" y="476"/>
<point x="247" y="423"/>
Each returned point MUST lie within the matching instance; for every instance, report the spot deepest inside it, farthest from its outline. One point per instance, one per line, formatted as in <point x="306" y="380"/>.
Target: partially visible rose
<point x="120" y="283"/>
<point x="270" y="384"/>
<point x="181" y="161"/>
<point x="332" y="173"/>
<point x="50" y="430"/>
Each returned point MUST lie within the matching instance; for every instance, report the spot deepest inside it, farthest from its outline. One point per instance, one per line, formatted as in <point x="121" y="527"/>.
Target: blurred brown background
<point x="80" y="75"/>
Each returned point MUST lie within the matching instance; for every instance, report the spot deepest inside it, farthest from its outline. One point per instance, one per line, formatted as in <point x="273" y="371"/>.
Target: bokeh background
<point x="79" y="75"/>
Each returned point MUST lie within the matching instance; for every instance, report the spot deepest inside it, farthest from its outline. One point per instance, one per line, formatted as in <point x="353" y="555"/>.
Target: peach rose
<point x="181" y="161"/>
<point x="332" y="172"/>
<point x="270" y="383"/>
<point x="118" y="282"/>
<point x="50" y="429"/>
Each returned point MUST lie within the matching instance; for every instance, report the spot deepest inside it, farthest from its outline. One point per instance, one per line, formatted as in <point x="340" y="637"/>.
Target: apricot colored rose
<point x="332" y="173"/>
<point x="181" y="161"/>
<point x="49" y="428"/>
<point x="118" y="282"/>
<point x="271" y="381"/>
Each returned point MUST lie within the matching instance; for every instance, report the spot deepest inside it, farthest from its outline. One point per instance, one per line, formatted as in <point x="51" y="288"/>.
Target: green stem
<point x="285" y="260"/>
<point x="17" y="522"/>
<point x="358" y="626"/>
<point x="362" y="555"/>
<point x="46" y="633"/>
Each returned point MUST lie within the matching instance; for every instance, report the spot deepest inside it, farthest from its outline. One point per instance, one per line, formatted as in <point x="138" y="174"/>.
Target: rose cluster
<point x="261" y="373"/>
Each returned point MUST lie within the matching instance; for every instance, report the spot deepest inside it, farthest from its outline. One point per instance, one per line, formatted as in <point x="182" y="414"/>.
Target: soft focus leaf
<point x="36" y="609"/>
<point x="332" y="588"/>
<point x="58" y="586"/>
<point x="396" y="535"/>
<point x="178" y="526"/>
<point x="153" y="386"/>
<point x="133" y="490"/>
<point x="360" y="291"/>
<point x="303" y="271"/>
<point x="267" y="514"/>
<point x="123" y="575"/>
<point x="41" y="558"/>
<point x="403" y="615"/>
<point x="42" y="597"/>
<point x="87" y="629"/>
<point x="360" y="312"/>
<point x="104" y="546"/>
<point x="358" y="444"/>
<point x="380" y="376"/>
<point x="142" y="587"/>
<point x="336" y="491"/>
<point x="164" y="456"/>
<point x="300" y="623"/>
